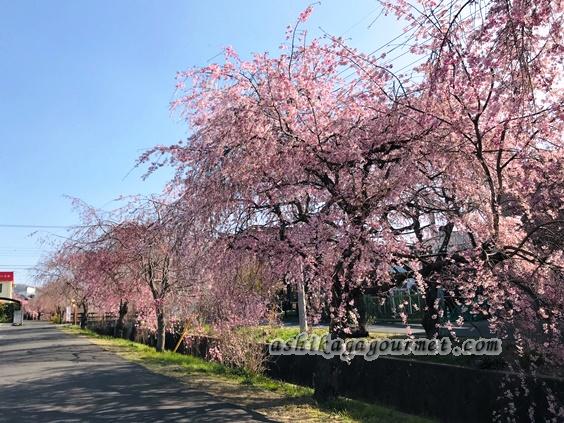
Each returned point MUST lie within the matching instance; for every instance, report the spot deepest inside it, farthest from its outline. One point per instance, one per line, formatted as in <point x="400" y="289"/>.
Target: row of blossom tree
<point x="145" y="259"/>
<point x="321" y="165"/>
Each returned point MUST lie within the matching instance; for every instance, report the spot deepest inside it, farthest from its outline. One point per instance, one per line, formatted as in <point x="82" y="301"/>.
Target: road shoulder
<point x="276" y="400"/>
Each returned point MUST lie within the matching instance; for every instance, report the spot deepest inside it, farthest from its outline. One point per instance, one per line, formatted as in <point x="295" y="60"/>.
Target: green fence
<point x="412" y="304"/>
<point x="408" y="302"/>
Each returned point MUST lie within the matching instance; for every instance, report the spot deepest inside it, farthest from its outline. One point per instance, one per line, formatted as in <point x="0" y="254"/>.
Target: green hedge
<point x="7" y="312"/>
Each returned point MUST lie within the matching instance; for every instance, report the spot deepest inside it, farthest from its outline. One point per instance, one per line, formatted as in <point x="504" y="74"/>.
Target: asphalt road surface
<point x="50" y="376"/>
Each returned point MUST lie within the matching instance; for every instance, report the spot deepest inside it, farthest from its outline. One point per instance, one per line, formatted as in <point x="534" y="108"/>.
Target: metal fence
<point x="412" y="304"/>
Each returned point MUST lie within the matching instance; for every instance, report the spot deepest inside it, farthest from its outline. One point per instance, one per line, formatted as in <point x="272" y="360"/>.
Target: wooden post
<point x="184" y="333"/>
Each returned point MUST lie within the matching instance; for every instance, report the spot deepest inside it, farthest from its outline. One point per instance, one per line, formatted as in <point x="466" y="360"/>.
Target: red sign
<point x="6" y="276"/>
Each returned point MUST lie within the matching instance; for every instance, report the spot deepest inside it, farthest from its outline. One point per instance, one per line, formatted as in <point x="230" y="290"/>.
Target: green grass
<point x="345" y="409"/>
<point x="192" y="364"/>
<point x="269" y="333"/>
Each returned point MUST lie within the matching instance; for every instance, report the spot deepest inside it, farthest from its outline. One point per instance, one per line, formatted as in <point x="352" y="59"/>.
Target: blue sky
<point x="85" y="88"/>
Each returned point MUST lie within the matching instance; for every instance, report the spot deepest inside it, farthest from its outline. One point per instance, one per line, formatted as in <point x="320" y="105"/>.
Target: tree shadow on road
<point x="115" y="393"/>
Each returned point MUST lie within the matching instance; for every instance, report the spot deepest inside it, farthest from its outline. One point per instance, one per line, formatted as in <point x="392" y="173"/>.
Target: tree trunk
<point x="430" y="320"/>
<point x="84" y="316"/>
<point x="326" y="377"/>
<point x="359" y="308"/>
<point x="326" y="380"/>
<point x="349" y="298"/>
<point x="160" y="331"/>
<point x="123" y="307"/>
<point x="431" y="314"/>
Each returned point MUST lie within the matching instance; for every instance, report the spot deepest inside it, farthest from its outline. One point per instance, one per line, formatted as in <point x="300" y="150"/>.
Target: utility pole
<point x="302" y="311"/>
<point x="74" y="311"/>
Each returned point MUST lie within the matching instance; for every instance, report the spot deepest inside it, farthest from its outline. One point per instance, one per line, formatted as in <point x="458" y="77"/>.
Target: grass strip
<point x="276" y="399"/>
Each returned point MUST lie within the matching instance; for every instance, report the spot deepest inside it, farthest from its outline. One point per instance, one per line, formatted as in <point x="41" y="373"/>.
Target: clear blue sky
<point x="85" y="88"/>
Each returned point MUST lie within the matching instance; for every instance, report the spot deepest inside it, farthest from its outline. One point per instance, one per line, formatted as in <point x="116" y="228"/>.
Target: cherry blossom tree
<point x="50" y="299"/>
<point x="162" y="252"/>
<point x="347" y="177"/>
<point x="300" y="165"/>
<point x="68" y="277"/>
<point x="295" y="172"/>
<point x="492" y="88"/>
<point x="285" y="151"/>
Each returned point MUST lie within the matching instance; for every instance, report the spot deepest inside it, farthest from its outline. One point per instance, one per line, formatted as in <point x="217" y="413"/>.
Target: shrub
<point x="238" y="349"/>
<point x="57" y="319"/>
<point x="6" y="313"/>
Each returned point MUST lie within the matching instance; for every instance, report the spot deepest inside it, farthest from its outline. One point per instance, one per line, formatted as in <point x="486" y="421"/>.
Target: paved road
<point x="50" y="376"/>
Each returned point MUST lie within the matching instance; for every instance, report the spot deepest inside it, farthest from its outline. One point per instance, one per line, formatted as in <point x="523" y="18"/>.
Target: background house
<point x="25" y="291"/>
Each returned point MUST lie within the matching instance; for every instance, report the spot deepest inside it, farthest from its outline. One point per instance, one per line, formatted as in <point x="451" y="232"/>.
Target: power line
<point x="17" y="269"/>
<point x="360" y="21"/>
<point x="21" y="250"/>
<point x="7" y="225"/>
<point x="18" y="256"/>
<point x="403" y="44"/>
